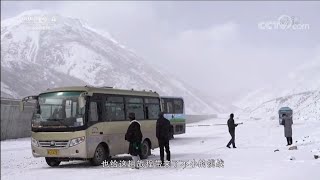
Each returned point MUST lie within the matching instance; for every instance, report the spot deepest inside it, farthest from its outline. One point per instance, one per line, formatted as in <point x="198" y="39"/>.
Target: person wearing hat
<point x="163" y="134"/>
<point x="134" y="136"/>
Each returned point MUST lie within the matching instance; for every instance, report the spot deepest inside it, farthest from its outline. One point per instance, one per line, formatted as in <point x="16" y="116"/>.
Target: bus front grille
<point x="179" y="128"/>
<point x="54" y="144"/>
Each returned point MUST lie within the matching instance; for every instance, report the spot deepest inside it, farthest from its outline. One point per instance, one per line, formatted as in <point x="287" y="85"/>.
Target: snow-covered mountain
<point x="40" y="50"/>
<point x="300" y="91"/>
<point x="306" y="106"/>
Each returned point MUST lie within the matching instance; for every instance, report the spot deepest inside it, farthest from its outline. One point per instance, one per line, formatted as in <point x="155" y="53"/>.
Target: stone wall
<point x="15" y="124"/>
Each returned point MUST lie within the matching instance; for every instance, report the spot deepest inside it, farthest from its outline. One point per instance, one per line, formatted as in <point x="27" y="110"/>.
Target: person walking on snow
<point x="134" y="136"/>
<point x="232" y="128"/>
<point x="163" y="130"/>
<point x="287" y="124"/>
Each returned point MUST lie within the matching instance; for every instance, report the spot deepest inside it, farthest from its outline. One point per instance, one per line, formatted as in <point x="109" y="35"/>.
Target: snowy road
<point x="254" y="159"/>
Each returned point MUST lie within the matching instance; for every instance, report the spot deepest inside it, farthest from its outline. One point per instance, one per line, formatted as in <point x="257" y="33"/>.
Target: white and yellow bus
<point x="89" y="123"/>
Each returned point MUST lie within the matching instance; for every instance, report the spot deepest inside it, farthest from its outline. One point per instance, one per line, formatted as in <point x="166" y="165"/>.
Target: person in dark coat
<point x="287" y="124"/>
<point x="163" y="130"/>
<point x="134" y="136"/>
<point x="232" y="128"/>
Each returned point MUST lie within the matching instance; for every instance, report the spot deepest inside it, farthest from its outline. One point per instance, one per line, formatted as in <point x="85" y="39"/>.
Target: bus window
<point x="46" y="111"/>
<point x="74" y="109"/>
<point x="163" y="106"/>
<point x="115" y="108"/>
<point x="134" y="100"/>
<point x="152" y="111"/>
<point x="178" y="106"/>
<point x="151" y="101"/>
<point x="135" y="105"/>
<point x="68" y="108"/>
<point x="152" y="108"/>
<point x="93" y="111"/>
<point x="169" y="107"/>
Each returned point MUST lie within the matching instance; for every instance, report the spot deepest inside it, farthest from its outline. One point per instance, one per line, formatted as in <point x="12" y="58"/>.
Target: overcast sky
<point x="217" y="47"/>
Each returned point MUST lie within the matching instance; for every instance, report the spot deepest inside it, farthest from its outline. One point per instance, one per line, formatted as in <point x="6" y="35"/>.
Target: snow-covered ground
<point x="254" y="159"/>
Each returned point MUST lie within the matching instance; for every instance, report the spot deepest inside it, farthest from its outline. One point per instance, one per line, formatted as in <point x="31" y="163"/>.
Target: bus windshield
<point x="58" y="110"/>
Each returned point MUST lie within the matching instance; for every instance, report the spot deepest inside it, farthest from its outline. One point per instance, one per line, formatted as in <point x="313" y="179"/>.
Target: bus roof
<point x="104" y="90"/>
<point x="285" y="109"/>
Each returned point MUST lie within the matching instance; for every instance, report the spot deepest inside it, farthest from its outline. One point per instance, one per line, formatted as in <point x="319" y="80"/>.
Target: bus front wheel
<point x="99" y="156"/>
<point x="145" y="150"/>
<point x="52" y="161"/>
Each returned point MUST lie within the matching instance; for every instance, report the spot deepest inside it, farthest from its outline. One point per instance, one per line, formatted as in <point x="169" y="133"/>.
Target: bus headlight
<point x="76" y="141"/>
<point x="34" y="142"/>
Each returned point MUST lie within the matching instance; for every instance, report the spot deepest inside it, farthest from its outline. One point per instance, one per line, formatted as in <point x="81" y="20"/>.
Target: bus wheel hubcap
<point x="99" y="154"/>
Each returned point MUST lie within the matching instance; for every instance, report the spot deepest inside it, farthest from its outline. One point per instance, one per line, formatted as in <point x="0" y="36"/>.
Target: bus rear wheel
<point x="145" y="150"/>
<point x="53" y="162"/>
<point x="100" y="155"/>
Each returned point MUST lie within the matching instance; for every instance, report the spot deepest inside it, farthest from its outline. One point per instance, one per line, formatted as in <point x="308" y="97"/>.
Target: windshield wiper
<point x="60" y="121"/>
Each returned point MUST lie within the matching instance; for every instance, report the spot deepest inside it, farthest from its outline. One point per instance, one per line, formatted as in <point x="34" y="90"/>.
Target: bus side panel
<point x="148" y="128"/>
<point x="110" y="133"/>
<point x="94" y="138"/>
<point x="115" y="137"/>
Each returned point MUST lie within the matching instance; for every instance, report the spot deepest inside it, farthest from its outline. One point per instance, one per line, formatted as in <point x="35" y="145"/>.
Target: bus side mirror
<point x="82" y="101"/>
<point x="21" y="106"/>
<point x="26" y="99"/>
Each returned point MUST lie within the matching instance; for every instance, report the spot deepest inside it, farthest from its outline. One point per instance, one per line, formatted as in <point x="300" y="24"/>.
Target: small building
<point x="284" y="110"/>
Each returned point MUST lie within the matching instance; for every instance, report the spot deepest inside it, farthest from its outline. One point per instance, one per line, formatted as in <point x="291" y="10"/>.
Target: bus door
<point x="95" y="129"/>
<point x="117" y="124"/>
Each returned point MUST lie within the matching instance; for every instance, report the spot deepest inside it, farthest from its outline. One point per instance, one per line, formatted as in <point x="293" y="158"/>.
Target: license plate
<point x="53" y="152"/>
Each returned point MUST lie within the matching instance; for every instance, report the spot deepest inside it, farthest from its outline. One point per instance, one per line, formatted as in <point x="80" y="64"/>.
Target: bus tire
<point x="53" y="162"/>
<point x="99" y="156"/>
<point x="145" y="150"/>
